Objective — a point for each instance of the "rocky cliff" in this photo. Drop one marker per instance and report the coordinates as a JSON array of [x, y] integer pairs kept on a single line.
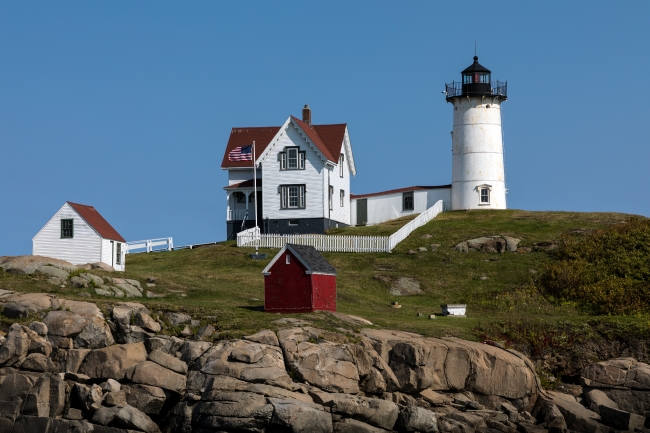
[[77, 370]]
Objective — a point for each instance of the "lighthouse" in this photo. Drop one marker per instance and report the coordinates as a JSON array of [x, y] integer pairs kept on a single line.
[[478, 175]]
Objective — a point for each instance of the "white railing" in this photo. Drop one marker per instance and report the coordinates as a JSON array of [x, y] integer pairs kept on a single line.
[[342, 244], [239, 214], [149, 244], [421, 220]]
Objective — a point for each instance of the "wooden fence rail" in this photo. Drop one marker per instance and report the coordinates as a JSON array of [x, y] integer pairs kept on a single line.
[[342, 244]]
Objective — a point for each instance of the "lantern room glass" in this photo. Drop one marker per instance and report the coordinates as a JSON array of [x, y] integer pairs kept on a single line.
[[476, 77]]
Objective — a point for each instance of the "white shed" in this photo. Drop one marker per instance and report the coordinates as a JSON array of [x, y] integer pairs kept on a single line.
[[78, 234]]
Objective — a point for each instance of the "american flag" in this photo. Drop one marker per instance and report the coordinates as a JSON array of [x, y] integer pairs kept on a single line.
[[241, 153]]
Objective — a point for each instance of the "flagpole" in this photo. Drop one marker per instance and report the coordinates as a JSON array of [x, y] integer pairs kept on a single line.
[[255, 193]]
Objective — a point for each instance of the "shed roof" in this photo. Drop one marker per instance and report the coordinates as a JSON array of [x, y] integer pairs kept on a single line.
[[395, 191], [308, 256], [96, 221]]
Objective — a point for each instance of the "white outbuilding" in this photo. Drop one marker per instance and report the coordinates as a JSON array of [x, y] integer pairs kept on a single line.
[[78, 234]]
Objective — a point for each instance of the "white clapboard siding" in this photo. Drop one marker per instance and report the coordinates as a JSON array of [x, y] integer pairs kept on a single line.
[[240, 175], [386, 207], [84, 247], [311, 177], [340, 213], [343, 244], [109, 254]]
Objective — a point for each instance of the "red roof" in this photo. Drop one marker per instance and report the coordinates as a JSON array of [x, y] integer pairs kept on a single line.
[[395, 191], [245, 184], [327, 138], [97, 222]]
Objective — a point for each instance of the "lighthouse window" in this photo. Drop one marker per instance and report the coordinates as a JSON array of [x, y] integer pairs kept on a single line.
[[485, 195]]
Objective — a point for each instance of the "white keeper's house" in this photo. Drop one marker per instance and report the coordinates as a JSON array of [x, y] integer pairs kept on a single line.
[[303, 177], [478, 174], [78, 234]]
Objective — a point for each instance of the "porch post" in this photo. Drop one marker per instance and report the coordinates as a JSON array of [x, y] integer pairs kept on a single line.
[[248, 193], [228, 216]]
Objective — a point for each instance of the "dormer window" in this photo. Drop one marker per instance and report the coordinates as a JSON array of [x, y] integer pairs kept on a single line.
[[292, 159]]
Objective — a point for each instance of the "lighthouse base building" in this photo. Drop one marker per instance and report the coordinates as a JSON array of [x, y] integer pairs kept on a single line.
[[478, 173]]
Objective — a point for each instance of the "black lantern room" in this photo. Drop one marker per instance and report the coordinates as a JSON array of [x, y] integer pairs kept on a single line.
[[476, 82]]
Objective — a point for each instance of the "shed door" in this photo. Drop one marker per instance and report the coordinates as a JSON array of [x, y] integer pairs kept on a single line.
[[362, 211]]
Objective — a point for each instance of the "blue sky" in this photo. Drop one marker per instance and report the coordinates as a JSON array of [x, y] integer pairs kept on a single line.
[[128, 106]]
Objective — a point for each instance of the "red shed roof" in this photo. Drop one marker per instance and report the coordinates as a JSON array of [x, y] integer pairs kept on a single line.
[[327, 138], [308, 256], [96, 221]]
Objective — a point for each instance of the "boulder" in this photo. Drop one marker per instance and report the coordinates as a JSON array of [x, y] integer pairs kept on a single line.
[[205, 332], [150, 373], [627, 372], [148, 399], [19, 305], [576, 416], [74, 358], [417, 419], [131, 418], [79, 282], [115, 398], [620, 419], [39, 327], [176, 319], [300, 417], [596, 398], [405, 286], [51, 271], [111, 385], [97, 281], [16, 345], [64, 323], [37, 362], [191, 350], [112, 362], [104, 291], [95, 333], [234, 411], [265, 336], [380, 413], [144, 320], [129, 290], [124, 312], [349, 425], [168, 361], [327, 365], [269, 368], [103, 266], [105, 415], [37, 402]]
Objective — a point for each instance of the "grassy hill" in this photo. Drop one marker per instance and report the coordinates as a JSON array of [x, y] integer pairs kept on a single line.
[[224, 286]]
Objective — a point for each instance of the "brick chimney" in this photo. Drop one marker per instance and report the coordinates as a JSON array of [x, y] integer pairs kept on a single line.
[[306, 115]]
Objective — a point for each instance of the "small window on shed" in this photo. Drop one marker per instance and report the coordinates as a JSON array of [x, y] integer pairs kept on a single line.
[[67, 228], [288, 256], [118, 254], [407, 200]]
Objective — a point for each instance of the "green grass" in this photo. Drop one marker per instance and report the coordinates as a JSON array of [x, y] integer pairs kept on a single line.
[[222, 281]]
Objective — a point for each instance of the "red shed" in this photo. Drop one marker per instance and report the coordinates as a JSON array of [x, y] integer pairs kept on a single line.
[[299, 280]]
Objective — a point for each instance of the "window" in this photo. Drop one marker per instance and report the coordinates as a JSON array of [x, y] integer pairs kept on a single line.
[[240, 197], [485, 195], [292, 159], [118, 254], [341, 160], [292, 196], [342, 197], [288, 256], [407, 201], [331, 197], [294, 222], [67, 228]]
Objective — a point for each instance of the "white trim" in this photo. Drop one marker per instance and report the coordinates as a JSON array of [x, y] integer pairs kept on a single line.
[[311, 144], [347, 145]]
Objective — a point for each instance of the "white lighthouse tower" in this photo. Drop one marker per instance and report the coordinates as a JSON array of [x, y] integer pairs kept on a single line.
[[478, 176]]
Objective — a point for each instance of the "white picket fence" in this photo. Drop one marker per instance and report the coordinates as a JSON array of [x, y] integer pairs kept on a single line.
[[342, 244], [149, 244]]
